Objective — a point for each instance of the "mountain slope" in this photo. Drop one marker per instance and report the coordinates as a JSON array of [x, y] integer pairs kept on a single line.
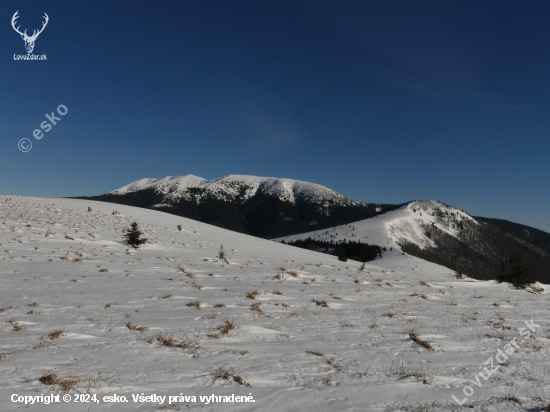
[[441, 234], [529, 234], [261, 206], [66, 270]]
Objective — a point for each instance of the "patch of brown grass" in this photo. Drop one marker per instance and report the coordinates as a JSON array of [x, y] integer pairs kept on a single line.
[[227, 326], [415, 338], [56, 334], [196, 304], [314, 353], [49, 378], [322, 303], [227, 374], [16, 326], [252, 295], [131, 326]]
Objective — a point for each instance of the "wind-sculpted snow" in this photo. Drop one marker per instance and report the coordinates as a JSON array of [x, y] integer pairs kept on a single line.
[[82, 311]]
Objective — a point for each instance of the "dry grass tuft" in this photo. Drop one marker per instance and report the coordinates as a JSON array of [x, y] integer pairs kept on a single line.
[[16, 326], [293, 274], [165, 340], [227, 326], [513, 399], [40, 345], [68, 383], [219, 305], [415, 338], [256, 307], [227, 374], [196, 304], [421, 295], [65, 384], [5, 308], [252, 295], [49, 378], [322, 303], [314, 353], [131, 326], [56, 334], [167, 296]]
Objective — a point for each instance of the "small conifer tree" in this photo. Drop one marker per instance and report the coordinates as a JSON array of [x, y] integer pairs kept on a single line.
[[133, 236], [221, 253], [342, 255], [515, 274]]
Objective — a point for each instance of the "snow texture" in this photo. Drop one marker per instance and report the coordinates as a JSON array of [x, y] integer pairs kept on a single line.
[[66, 269]]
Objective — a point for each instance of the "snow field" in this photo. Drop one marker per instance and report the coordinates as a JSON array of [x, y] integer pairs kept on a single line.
[[309, 333]]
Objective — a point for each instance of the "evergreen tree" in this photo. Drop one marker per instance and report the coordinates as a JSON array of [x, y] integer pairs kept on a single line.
[[515, 274], [133, 236], [342, 255]]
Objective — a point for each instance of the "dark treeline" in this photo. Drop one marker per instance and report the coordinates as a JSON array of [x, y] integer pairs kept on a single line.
[[362, 252]]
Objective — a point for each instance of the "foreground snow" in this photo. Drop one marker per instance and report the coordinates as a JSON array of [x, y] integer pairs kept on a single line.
[[66, 269]]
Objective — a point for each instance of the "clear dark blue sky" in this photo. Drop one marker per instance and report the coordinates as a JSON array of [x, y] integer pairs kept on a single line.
[[383, 101]]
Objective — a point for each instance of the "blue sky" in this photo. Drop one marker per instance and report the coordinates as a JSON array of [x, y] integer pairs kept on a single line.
[[383, 101]]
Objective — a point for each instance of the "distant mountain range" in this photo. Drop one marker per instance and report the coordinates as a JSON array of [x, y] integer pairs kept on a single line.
[[260, 206], [279, 208]]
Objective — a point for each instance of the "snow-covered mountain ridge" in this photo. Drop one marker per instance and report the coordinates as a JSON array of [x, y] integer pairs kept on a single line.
[[440, 233], [261, 206], [232, 187]]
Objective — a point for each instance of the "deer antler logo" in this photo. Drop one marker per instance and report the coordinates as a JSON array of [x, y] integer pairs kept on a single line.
[[29, 40]]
